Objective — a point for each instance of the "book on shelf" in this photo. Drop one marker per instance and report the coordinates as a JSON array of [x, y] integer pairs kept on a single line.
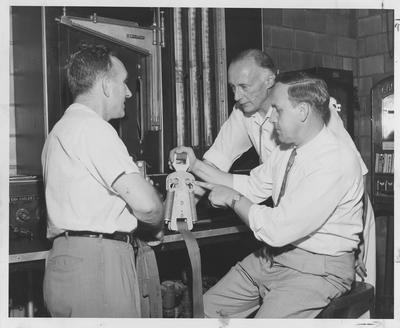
[[384, 163], [390, 161], [392, 164], [388, 145]]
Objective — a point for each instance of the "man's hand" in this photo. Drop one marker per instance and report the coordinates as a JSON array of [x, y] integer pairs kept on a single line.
[[158, 239], [220, 196], [191, 157], [199, 191]]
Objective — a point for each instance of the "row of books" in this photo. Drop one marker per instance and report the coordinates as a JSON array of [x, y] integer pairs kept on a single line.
[[384, 163]]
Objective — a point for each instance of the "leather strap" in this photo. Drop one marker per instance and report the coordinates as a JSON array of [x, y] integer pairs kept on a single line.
[[195, 261], [149, 281]]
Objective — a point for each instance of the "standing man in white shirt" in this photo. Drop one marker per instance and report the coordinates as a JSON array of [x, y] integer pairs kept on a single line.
[[313, 230], [95, 196]]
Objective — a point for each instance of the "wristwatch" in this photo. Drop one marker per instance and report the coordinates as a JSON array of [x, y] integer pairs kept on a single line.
[[235, 199]]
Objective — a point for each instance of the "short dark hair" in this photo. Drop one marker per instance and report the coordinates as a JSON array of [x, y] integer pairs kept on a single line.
[[306, 88], [86, 65], [261, 58]]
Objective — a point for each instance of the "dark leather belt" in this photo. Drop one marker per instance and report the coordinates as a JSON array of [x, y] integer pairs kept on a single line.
[[120, 236]]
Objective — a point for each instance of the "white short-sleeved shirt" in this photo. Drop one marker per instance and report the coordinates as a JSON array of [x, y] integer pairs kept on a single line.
[[321, 210], [239, 133], [82, 157]]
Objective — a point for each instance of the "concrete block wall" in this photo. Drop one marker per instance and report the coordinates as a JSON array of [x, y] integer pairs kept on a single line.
[[303, 38], [375, 62], [359, 40]]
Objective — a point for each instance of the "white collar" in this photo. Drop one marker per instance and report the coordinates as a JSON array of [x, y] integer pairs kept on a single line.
[[259, 119], [82, 108]]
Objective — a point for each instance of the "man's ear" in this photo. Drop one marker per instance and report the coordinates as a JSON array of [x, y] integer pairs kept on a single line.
[[105, 84], [269, 79], [304, 110]]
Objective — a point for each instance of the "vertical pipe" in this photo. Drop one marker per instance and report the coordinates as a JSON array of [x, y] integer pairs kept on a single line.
[[44, 63], [206, 76], [12, 123], [222, 92], [179, 78], [160, 28], [194, 103]]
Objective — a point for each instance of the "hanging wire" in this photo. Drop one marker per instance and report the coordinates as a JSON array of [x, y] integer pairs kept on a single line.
[[389, 44], [386, 17]]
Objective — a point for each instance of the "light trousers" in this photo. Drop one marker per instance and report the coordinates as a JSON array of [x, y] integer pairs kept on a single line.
[[91, 277], [298, 285]]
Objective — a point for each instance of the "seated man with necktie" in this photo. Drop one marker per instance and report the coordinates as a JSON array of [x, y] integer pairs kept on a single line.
[[311, 233]]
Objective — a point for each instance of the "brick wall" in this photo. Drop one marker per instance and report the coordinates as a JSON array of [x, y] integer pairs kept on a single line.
[[303, 38], [346, 39], [374, 62]]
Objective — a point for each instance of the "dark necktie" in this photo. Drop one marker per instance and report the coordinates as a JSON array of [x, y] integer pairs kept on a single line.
[[260, 140], [288, 167], [269, 252]]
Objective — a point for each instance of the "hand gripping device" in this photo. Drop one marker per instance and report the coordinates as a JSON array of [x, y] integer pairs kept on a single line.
[[180, 206]]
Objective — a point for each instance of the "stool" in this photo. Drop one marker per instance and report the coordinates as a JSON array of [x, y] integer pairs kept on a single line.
[[353, 304]]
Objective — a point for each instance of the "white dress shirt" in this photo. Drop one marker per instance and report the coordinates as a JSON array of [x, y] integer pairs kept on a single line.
[[321, 210], [336, 126], [240, 132], [82, 157], [237, 135]]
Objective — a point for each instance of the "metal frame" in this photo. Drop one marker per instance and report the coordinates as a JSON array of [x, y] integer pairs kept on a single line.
[[144, 40]]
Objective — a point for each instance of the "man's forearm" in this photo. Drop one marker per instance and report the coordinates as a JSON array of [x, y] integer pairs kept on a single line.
[[212, 174]]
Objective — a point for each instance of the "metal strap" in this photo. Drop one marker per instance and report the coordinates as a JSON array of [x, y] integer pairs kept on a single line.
[[149, 281]]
